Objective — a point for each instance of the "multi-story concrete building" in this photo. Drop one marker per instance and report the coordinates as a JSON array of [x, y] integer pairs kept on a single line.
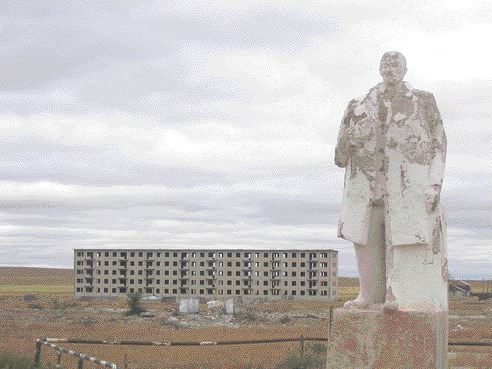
[[207, 273]]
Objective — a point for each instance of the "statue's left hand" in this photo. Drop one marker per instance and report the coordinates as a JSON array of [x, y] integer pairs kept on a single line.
[[432, 195]]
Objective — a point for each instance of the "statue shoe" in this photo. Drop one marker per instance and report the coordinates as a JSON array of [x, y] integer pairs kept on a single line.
[[358, 303], [391, 305]]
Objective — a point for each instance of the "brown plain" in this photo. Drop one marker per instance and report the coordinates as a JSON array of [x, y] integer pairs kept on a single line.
[[60, 314]]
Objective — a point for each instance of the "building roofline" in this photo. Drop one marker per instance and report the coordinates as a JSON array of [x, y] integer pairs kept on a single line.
[[208, 249]]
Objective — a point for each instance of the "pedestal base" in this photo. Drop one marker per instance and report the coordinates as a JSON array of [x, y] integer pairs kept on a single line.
[[381, 340]]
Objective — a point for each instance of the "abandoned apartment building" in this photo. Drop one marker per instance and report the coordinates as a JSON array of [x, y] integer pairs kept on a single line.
[[271, 274]]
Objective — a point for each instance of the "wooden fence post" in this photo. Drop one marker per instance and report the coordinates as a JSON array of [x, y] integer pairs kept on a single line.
[[81, 363], [58, 360], [302, 345], [330, 322], [37, 355]]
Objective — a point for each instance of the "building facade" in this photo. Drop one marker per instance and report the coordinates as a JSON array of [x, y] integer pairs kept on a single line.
[[211, 274]]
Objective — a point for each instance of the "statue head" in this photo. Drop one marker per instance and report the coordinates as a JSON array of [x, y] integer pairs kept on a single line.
[[392, 68]]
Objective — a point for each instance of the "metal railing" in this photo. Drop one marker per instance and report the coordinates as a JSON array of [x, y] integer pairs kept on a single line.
[[50, 342], [53, 344]]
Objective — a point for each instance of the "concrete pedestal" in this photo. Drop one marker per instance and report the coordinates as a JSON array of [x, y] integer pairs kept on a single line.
[[381, 340]]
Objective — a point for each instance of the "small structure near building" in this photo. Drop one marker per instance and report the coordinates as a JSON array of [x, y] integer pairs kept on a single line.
[[458, 288]]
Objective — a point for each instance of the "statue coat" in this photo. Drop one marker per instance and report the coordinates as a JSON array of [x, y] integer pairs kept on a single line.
[[414, 155]]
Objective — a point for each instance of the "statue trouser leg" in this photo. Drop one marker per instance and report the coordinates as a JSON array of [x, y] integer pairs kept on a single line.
[[417, 274], [371, 263]]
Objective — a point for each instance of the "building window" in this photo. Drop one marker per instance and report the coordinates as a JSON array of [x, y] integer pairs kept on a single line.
[[265, 292], [229, 254], [221, 254]]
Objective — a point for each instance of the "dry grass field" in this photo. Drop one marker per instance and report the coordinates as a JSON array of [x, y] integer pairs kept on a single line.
[[36, 303]]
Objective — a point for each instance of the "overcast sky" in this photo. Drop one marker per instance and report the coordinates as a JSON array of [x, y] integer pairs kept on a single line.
[[213, 124]]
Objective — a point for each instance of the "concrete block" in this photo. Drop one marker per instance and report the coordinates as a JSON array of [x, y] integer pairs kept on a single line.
[[215, 306], [189, 306], [229, 306], [377, 339]]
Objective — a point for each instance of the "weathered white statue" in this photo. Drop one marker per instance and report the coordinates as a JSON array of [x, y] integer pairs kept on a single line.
[[393, 146]]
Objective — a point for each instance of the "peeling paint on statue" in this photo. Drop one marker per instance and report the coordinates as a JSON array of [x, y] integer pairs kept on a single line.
[[393, 146]]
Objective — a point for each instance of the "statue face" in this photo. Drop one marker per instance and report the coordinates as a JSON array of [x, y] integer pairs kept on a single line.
[[392, 68]]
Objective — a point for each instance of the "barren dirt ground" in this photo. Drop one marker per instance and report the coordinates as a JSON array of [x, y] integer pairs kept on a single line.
[[36, 303]]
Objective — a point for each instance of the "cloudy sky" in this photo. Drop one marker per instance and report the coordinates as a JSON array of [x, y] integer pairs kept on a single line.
[[175, 124]]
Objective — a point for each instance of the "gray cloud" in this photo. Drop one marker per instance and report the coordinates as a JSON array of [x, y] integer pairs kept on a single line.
[[213, 124]]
